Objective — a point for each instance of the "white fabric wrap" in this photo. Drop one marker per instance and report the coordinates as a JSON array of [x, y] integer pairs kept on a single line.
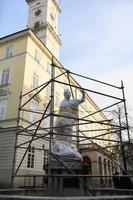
[[64, 127], [62, 148]]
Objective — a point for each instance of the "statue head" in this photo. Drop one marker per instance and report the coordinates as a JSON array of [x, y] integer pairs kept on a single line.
[[67, 93]]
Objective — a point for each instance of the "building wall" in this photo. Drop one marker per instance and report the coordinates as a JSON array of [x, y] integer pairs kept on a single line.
[[101, 165], [7, 143], [32, 57], [16, 64], [53, 43]]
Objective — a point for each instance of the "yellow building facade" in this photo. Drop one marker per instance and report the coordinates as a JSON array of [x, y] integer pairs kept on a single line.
[[25, 64]]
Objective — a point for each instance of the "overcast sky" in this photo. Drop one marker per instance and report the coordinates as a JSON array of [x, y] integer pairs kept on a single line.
[[97, 37]]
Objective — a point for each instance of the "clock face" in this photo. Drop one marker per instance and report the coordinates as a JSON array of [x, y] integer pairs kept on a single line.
[[38, 12]]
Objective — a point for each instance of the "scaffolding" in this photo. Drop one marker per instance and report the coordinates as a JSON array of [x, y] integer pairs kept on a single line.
[[80, 137]]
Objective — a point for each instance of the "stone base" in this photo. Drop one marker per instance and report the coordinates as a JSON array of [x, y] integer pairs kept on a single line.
[[64, 183], [8, 197], [62, 163]]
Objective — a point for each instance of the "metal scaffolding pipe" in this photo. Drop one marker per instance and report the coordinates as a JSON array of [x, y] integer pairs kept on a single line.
[[79, 136]]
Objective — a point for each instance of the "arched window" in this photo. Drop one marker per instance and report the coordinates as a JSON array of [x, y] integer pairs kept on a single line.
[[105, 167], [112, 166], [105, 170], [109, 172], [100, 170], [100, 166], [87, 160]]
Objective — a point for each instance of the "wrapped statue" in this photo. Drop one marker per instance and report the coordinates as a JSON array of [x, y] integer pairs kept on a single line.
[[68, 115]]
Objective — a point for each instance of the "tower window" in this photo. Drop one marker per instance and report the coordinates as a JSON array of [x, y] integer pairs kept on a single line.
[[31, 157], [38, 12], [36, 24], [9, 51], [5, 77]]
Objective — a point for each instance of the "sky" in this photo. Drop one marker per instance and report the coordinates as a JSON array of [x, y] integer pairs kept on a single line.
[[97, 37]]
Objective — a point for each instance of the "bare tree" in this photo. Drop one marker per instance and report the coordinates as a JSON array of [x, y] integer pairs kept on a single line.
[[119, 119]]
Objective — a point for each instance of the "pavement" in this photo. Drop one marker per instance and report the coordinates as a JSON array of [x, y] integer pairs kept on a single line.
[[12, 197]]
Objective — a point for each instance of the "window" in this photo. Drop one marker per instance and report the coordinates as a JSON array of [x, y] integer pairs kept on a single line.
[[46, 122], [5, 77], [105, 170], [37, 56], [65, 86], [35, 81], [45, 162], [3, 105], [48, 90], [38, 12], [33, 108], [100, 170], [31, 157], [57, 99], [48, 69], [9, 51], [37, 25]]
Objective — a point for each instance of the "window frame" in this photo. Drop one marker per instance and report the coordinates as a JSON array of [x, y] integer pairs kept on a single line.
[[5, 82], [46, 122], [33, 116], [48, 68], [48, 90], [35, 81], [37, 56], [57, 99], [4, 97], [45, 158], [31, 158], [9, 53]]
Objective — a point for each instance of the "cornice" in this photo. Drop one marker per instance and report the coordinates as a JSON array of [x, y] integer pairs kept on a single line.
[[42, 46], [14, 36], [25, 33], [51, 30], [31, 33], [4, 92]]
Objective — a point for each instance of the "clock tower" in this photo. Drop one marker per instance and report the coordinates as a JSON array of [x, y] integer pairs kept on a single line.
[[43, 20]]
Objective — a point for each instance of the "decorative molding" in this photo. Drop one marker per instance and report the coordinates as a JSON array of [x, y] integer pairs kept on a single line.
[[13, 57], [55, 2], [14, 36], [4, 92], [51, 30]]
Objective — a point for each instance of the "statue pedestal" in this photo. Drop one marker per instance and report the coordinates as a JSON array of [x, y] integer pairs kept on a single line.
[[64, 183]]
